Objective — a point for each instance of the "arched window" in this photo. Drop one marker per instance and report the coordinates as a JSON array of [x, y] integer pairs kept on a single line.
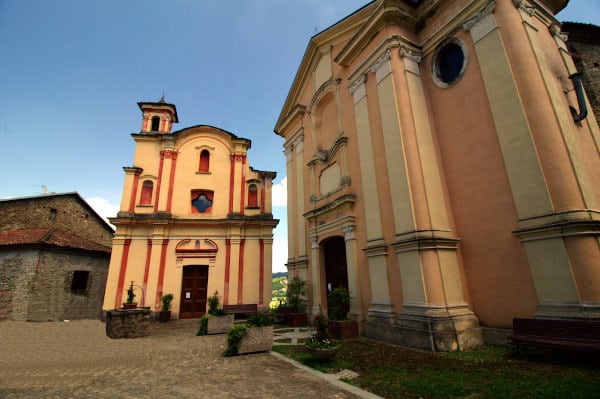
[[146, 197], [204, 161], [155, 123], [253, 196]]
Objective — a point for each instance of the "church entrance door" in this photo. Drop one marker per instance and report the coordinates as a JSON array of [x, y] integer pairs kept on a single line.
[[193, 292], [336, 270]]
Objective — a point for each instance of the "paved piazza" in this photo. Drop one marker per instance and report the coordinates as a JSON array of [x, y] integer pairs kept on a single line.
[[76, 360]]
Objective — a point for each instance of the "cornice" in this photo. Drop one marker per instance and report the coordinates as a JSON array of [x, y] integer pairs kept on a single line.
[[388, 13], [329, 35]]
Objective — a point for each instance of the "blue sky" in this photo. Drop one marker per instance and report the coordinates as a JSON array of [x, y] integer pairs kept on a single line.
[[72, 72]]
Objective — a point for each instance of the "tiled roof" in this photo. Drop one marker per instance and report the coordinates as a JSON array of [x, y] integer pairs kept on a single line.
[[52, 237]]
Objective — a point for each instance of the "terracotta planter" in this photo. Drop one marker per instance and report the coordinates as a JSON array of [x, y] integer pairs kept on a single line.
[[322, 353], [129, 305], [219, 324], [257, 339], [343, 329], [164, 316]]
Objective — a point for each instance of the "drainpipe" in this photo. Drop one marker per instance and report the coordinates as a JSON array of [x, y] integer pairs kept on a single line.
[[576, 78]]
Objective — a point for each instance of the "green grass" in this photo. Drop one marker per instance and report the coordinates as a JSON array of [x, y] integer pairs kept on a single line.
[[487, 372]]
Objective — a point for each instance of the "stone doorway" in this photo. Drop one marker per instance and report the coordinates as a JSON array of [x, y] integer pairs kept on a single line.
[[193, 291]]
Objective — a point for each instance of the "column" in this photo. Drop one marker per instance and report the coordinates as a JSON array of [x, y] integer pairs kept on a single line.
[[376, 250], [353, 273]]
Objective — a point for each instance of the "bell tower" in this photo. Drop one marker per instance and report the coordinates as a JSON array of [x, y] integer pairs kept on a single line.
[[158, 117]]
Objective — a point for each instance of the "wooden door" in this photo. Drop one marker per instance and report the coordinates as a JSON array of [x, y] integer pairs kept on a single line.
[[193, 292], [336, 269]]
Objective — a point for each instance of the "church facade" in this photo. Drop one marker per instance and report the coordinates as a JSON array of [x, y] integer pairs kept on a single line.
[[442, 167], [195, 218]]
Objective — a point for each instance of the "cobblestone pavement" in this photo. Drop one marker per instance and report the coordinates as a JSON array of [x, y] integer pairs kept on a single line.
[[76, 360]]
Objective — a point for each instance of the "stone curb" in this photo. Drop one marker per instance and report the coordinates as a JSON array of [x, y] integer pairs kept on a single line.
[[331, 378]]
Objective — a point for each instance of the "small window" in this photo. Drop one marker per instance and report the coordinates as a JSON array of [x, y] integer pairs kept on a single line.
[[449, 63], [52, 214], [202, 201], [204, 161], [155, 123], [146, 197], [252, 196], [79, 282]]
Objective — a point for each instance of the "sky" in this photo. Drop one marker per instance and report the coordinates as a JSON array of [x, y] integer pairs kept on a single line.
[[72, 72]]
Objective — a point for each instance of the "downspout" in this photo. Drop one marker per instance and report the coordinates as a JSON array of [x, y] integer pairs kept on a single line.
[[576, 78]]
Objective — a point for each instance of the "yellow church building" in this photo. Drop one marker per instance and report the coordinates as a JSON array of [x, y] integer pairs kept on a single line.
[[441, 166], [194, 218]]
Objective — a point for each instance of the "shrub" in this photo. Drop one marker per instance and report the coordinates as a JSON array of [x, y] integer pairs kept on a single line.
[[213, 302], [260, 319], [339, 303], [166, 302], [203, 328], [295, 291], [234, 337]]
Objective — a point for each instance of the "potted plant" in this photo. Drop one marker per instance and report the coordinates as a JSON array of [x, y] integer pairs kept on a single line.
[[321, 345], [165, 308], [295, 292], [216, 321], [130, 304], [254, 335], [338, 303]]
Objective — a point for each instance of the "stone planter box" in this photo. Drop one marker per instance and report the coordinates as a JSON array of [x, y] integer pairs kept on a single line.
[[127, 323], [219, 324], [257, 339]]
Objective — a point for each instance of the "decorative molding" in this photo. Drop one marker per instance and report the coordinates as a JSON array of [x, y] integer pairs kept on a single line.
[[556, 32], [348, 232], [487, 10], [411, 59], [523, 5], [357, 88], [314, 242], [482, 23], [381, 66], [324, 156]]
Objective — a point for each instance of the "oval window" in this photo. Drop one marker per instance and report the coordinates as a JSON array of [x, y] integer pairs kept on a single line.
[[449, 63]]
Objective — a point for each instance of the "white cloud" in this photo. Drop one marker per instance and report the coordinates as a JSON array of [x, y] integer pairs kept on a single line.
[[103, 207], [279, 193]]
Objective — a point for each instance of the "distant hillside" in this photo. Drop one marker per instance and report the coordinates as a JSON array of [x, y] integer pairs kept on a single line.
[[279, 288]]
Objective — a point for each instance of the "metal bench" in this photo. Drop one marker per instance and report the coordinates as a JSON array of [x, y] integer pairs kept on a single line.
[[241, 310], [579, 335]]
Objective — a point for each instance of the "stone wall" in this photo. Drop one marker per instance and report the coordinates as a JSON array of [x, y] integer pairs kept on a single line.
[[70, 215], [584, 45], [36, 285]]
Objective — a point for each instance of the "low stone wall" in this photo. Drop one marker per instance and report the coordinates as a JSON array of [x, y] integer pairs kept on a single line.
[[127, 323]]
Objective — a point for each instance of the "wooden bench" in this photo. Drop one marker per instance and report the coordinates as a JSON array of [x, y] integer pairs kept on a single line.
[[241, 310], [558, 334]]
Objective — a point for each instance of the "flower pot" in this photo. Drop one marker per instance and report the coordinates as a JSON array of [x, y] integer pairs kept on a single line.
[[343, 329], [164, 316], [129, 305], [322, 353], [219, 324], [257, 339]]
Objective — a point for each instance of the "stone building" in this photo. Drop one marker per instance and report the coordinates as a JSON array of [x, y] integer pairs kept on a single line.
[[584, 45], [195, 218], [54, 254], [439, 169]]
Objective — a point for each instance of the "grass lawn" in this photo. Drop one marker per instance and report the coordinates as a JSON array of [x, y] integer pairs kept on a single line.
[[487, 372]]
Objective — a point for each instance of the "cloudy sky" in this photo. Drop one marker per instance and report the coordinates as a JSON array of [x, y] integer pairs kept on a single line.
[[72, 72]]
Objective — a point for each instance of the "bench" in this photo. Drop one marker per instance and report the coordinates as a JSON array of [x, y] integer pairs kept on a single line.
[[557, 334], [241, 310]]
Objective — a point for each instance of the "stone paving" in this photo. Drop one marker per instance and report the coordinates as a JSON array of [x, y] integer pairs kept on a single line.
[[76, 360]]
